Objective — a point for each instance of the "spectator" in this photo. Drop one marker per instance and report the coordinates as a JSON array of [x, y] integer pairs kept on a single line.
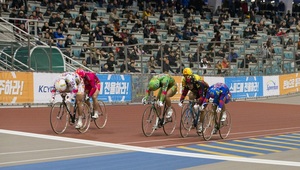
[[104, 68], [166, 66], [111, 63], [58, 33], [69, 41], [60, 44], [72, 24], [67, 14], [232, 57], [94, 14], [83, 8], [204, 64], [152, 70], [219, 67], [132, 68]]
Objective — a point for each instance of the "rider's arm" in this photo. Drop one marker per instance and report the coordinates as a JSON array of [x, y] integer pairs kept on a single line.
[[184, 91]]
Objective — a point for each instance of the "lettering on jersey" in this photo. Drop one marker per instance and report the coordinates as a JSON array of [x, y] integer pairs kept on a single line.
[[11, 87]]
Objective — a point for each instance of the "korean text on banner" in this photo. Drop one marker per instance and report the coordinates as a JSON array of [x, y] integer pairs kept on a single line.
[[245, 87], [16, 87], [289, 83], [115, 88]]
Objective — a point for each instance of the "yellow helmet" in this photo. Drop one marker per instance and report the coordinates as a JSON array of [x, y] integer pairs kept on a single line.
[[187, 72]]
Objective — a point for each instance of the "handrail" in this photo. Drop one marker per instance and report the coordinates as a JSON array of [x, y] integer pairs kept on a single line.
[[19, 62], [36, 39]]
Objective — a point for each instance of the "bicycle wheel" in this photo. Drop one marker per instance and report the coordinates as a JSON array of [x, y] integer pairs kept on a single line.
[[225, 126], [86, 118], [169, 124], [149, 123], [59, 118], [100, 122], [186, 122], [208, 125]]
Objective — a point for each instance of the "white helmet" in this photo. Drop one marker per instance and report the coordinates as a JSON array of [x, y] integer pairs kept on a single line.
[[60, 85]]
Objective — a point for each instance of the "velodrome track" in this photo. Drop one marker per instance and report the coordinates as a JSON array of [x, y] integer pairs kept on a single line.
[[264, 135]]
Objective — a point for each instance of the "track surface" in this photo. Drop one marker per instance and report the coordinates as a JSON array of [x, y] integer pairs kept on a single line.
[[249, 120]]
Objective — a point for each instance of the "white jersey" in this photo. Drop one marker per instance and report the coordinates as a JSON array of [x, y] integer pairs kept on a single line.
[[75, 84]]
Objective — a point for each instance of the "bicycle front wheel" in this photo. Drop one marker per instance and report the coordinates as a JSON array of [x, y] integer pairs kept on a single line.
[[169, 124], [225, 126], [208, 125], [149, 121], [186, 122], [59, 118], [100, 122], [86, 118]]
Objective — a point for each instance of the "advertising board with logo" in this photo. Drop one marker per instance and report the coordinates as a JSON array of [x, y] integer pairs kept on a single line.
[[289, 83], [245, 87], [43, 84], [271, 85], [115, 88], [16, 87]]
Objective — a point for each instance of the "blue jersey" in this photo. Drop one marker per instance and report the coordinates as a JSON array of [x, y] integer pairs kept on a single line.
[[220, 94]]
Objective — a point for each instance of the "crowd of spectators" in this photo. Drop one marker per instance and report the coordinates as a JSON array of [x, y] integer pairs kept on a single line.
[[109, 30]]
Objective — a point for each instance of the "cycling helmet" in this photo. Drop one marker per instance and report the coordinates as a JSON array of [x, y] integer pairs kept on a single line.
[[80, 72], [187, 72], [60, 85], [154, 84], [190, 79]]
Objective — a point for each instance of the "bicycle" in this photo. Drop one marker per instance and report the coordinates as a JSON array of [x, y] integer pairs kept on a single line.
[[100, 122], [190, 119], [212, 123], [152, 119], [63, 113]]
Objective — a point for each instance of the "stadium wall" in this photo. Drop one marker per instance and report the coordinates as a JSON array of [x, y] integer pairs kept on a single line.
[[35, 87]]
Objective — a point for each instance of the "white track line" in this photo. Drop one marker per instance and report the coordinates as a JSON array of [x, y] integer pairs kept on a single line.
[[151, 150]]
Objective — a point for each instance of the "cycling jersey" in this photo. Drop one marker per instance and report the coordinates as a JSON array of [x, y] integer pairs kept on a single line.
[[220, 94], [166, 82], [91, 82]]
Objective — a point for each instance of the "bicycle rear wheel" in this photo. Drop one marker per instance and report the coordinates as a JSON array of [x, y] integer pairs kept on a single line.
[[169, 124], [100, 122], [59, 118], [208, 125], [186, 122], [86, 118], [149, 121], [225, 126]]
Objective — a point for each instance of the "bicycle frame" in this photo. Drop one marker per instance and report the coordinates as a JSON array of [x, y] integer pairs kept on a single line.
[[191, 107], [72, 116], [158, 110]]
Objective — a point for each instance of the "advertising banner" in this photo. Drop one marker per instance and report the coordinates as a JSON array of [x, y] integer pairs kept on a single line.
[[245, 87], [16, 87], [43, 84], [115, 88], [289, 83], [271, 85]]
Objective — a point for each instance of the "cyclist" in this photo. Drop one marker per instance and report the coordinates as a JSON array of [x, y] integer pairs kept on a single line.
[[221, 95], [92, 88], [189, 72], [198, 89], [167, 88], [70, 82]]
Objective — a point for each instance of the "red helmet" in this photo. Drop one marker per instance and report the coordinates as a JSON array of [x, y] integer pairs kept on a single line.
[[80, 72], [189, 79]]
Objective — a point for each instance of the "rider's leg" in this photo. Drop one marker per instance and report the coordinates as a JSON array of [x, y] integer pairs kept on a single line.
[[79, 103], [95, 104], [170, 93]]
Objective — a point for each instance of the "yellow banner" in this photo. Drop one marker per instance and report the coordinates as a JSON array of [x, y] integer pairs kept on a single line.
[[289, 83], [16, 87]]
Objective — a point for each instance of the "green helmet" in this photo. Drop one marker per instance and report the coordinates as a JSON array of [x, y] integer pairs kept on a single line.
[[154, 84]]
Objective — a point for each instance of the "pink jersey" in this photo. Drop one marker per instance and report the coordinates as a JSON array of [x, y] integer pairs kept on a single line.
[[91, 82]]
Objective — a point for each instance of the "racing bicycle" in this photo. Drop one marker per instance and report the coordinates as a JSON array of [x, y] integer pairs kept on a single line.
[[190, 119], [212, 123], [64, 113], [100, 122], [153, 119]]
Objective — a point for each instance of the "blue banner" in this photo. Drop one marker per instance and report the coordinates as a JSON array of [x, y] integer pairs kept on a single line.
[[244, 87], [115, 88]]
